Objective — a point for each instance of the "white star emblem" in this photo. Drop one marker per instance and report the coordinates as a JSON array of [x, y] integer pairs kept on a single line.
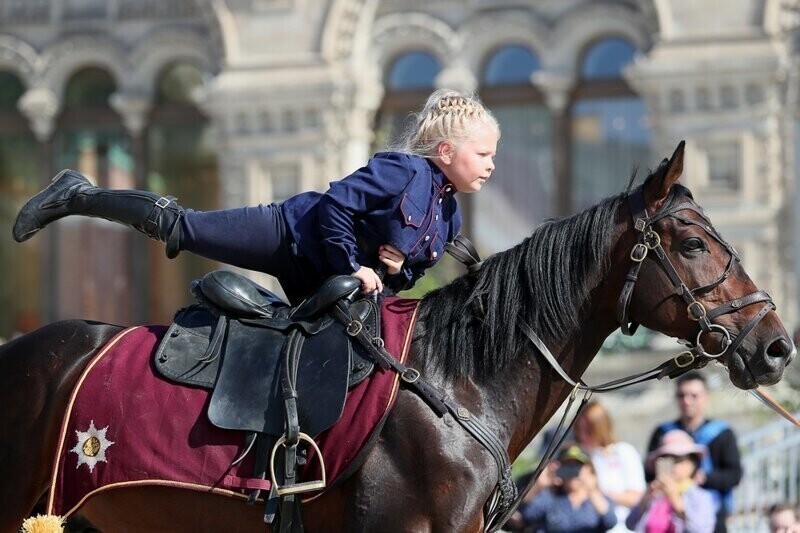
[[91, 447]]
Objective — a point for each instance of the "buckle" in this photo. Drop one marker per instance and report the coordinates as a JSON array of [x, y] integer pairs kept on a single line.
[[684, 359], [163, 202], [410, 375], [640, 224], [639, 252], [701, 313], [354, 328], [305, 486], [652, 239]]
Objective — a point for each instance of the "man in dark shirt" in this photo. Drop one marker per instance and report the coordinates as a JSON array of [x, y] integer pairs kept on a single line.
[[721, 469]]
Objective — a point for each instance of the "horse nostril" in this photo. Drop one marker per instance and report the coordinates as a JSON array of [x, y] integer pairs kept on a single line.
[[780, 348]]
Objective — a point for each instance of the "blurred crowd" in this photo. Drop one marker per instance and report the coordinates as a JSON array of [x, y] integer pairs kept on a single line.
[[682, 484]]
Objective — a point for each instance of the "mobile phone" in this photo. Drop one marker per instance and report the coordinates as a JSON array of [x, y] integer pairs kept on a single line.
[[664, 466]]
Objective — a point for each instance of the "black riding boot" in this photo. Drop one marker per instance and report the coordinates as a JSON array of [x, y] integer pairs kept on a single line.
[[70, 193]]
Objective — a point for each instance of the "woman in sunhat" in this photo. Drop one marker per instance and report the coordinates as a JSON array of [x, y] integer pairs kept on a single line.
[[673, 502]]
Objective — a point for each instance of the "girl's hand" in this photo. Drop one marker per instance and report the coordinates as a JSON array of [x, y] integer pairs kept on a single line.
[[370, 282], [392, 258]]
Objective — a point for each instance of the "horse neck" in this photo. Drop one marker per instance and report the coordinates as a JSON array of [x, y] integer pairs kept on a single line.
[[523, 398]]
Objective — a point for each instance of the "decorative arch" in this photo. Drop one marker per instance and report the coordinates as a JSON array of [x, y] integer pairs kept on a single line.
[[395, 34], [18, 57], [519, 27], [62, 58], [164, 46], [580, 28], [347, 22]]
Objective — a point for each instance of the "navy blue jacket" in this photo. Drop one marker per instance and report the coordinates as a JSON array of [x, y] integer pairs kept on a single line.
[[398, 199]]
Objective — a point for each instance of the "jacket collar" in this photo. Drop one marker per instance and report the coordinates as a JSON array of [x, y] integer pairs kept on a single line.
[[439, 179]]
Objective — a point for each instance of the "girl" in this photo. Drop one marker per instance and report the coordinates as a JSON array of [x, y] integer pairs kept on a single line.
[[397, 211], [618, 464], [673, 502]]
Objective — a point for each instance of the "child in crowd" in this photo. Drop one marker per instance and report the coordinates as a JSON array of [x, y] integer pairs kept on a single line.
[[673, 502], [567, 498], [618, 464], [396, 213]]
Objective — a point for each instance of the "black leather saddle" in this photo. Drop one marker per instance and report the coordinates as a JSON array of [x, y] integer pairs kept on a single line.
[[235, 342], [278, 373]]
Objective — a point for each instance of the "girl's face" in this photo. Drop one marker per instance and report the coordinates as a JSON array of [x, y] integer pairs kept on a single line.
[[469, 165]]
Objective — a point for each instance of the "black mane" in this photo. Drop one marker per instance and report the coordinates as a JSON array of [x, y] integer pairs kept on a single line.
[[470, 325]]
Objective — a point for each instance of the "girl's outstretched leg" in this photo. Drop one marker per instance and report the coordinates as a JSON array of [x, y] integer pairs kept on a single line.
[[70, 193]]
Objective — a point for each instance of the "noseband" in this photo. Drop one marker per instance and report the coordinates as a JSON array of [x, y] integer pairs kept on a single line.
[[648, 240]]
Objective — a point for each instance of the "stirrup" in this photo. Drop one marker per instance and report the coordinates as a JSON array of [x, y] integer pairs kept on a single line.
[[297, 488]]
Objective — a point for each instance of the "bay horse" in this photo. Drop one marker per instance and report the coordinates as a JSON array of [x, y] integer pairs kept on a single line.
[[426, 473]]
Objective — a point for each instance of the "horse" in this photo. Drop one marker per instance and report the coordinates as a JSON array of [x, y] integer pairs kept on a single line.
[[426, 473]]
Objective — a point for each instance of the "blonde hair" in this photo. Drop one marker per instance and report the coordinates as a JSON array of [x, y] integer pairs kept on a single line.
[[447, 116]]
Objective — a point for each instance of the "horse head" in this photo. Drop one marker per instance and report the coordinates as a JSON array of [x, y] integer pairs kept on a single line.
[[686, 281]]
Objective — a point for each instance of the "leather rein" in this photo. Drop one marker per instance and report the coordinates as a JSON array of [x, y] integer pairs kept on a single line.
[[696, 356]]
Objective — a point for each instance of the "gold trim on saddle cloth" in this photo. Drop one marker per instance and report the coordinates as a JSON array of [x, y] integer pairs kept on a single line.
[[65, 421]]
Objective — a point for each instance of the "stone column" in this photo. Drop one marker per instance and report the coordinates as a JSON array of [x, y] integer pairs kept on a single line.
[[41, 106], [556, 88], [134, 107]]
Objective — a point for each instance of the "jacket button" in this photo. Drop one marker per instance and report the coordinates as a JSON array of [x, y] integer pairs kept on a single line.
[[435, 254], [409, 218], [427, 238], [436, 217], [440, 200], [448, 189]]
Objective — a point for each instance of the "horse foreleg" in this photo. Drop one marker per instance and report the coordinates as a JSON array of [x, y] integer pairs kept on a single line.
[[37, 374]]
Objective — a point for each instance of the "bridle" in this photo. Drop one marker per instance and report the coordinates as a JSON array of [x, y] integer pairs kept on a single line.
[[648, 240], [696, 356]]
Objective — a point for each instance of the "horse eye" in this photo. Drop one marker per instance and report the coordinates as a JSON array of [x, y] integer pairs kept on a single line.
[[694, 245]]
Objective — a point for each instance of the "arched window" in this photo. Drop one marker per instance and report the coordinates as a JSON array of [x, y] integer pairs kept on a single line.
[[20, 177], [610, 132], [409, 79], [89, 88], [606, 59], [511, 65], [522, 196], [413, 70], [181, 161]]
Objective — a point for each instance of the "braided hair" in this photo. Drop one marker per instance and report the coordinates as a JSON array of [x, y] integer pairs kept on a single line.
[[447, 116]]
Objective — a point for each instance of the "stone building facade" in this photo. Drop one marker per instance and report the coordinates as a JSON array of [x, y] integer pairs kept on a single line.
[[271, 97]]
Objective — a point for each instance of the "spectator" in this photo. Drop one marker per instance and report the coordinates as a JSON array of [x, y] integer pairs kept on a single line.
[[721, 469], [673, 502], [618, 464], [783, 519], [566, 498]]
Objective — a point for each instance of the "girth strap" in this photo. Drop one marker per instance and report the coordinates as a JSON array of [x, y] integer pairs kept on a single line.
[[505, 491]]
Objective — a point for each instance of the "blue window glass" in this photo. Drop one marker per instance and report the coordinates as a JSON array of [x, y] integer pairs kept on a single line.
[[606, 59], [414, 70], [610, 137], [512, 65]]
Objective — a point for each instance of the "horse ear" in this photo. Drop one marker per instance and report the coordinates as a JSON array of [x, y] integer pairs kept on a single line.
[[658, 187]]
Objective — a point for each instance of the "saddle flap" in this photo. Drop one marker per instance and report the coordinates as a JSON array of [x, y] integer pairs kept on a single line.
[[180, 355], [247, 395]]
